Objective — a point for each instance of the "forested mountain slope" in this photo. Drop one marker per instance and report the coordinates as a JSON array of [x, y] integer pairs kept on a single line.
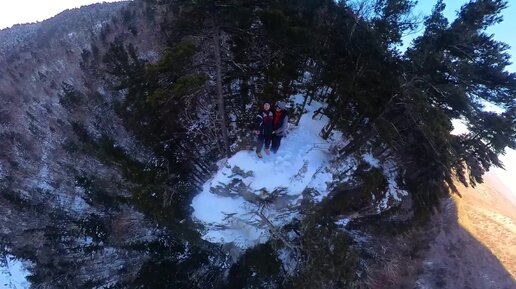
[[120, 124]]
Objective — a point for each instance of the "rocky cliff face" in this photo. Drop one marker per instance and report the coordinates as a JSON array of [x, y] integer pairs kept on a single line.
[[55, 104]]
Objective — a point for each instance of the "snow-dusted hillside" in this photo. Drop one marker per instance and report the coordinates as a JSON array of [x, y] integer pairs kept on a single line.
[[39, 187]]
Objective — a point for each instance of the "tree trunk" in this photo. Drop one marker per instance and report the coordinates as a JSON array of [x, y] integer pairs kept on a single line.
[[220, 97], [303, 107], [327, 129]]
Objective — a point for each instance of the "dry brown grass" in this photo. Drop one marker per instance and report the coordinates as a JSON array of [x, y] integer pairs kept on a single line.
[[487, 214]]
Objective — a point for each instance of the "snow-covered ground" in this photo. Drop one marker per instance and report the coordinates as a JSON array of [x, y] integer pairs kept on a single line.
[[13, 274], [230, 203], [248, 197]]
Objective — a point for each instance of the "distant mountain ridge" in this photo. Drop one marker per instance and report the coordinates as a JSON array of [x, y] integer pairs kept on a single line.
[[25, 36]]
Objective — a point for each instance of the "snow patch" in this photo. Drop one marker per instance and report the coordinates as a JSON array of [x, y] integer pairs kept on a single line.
[[389, 170], [247, 193], [394, 192], [43, 179], [79, 205], [368, 157], [13, 273], [342, 222], [71, 35]]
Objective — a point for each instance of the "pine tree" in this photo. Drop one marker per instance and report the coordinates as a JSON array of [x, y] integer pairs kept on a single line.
[[459, 66]]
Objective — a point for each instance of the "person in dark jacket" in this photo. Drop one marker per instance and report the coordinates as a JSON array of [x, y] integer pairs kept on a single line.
[[279, 125], [264, 129]]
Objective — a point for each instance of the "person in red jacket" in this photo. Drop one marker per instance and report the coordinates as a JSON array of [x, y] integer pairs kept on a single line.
[[264, 129], [279, 125]]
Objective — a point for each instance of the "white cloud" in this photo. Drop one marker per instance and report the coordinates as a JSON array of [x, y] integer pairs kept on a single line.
[[26, 11]]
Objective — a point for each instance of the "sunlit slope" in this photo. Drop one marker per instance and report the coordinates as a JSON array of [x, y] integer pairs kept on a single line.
[[489, 215]]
